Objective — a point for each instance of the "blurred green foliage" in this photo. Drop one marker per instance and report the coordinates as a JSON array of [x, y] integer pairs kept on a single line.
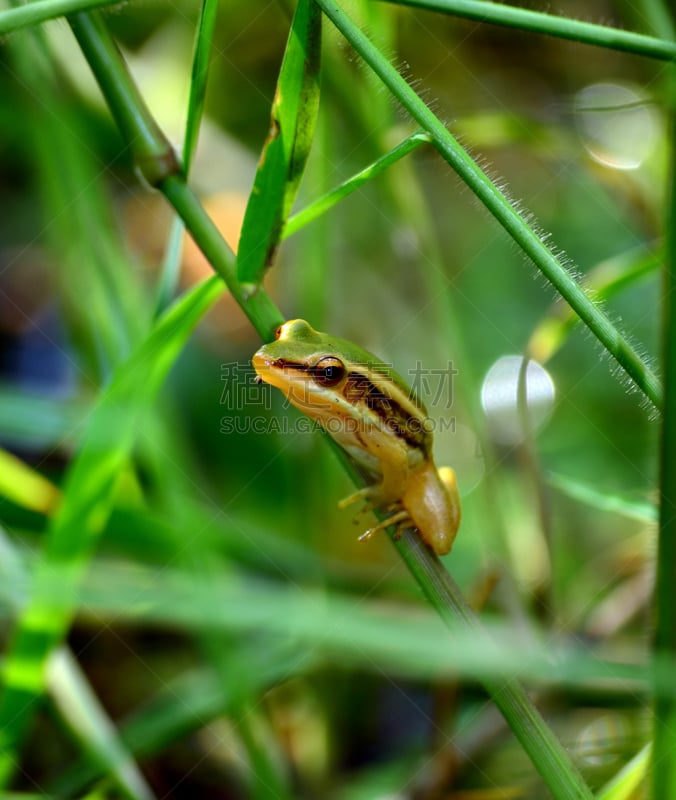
[[229, 623]]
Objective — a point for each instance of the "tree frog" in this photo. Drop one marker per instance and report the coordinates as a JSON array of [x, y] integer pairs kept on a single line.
[[375, 417]]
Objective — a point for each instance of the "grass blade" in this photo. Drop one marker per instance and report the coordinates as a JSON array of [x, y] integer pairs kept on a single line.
[[24, 486], [625, 784], [367, 634], [75, 698], [327, 201], [292, 124], [188, 704], [97, 735], [87, 501], [613, 503]]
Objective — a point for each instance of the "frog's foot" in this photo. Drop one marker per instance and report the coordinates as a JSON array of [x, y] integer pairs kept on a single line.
[[397, 519]]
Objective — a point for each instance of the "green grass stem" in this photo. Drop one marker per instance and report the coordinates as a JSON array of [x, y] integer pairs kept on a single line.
[[537, 739], [664, 751], [159, 165], [152, 153], [254, 300], [501, 208], [34, 13], [551, 25], [198, 87], [327, 201]]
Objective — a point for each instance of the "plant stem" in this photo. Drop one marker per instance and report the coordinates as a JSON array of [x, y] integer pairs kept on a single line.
[[561, 27], [664, 753], [546, 752], [13, 19], [254, 300], [501, 208], [151, 150], [158, 163], [171, 263]]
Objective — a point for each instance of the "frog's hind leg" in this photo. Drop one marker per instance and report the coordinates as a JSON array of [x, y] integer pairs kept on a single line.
[[395, 519]]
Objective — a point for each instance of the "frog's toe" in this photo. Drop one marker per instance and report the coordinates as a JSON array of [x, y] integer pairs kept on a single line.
[[400, 519], [363, 494]]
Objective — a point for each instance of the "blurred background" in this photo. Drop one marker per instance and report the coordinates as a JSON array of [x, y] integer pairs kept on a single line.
[[225, 543]]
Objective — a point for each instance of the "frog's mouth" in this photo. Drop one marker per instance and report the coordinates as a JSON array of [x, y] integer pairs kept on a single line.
[[275, 371], [279, 372], [293, 378]]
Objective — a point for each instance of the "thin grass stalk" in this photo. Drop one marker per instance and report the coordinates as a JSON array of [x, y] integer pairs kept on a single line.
[[88, 498], [551, 25], [501, 208], [664, 751], [198, 86], [537, 739], [39, 11], [159, 165]]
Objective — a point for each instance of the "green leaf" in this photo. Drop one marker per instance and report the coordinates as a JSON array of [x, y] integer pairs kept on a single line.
[[643, 512], [88, 498], [24, 486], [624, 785], [292, 124], [327, 201]]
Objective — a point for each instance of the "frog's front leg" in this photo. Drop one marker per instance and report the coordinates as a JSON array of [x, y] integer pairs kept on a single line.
[[392, 455]]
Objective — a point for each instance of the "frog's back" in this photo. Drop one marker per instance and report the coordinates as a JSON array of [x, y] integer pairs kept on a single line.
[[379, 388]]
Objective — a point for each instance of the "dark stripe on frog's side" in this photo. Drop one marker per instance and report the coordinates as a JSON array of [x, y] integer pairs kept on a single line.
[[360, 389], [284, 363]]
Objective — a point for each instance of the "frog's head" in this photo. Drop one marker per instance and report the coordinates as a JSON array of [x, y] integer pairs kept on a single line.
[[321, 374], [310, 367]]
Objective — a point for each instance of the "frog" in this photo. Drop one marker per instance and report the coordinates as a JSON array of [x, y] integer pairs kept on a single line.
[[375, 417]]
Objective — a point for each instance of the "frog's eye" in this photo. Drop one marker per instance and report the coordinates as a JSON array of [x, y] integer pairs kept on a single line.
[[329, 371], [278, 332]]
